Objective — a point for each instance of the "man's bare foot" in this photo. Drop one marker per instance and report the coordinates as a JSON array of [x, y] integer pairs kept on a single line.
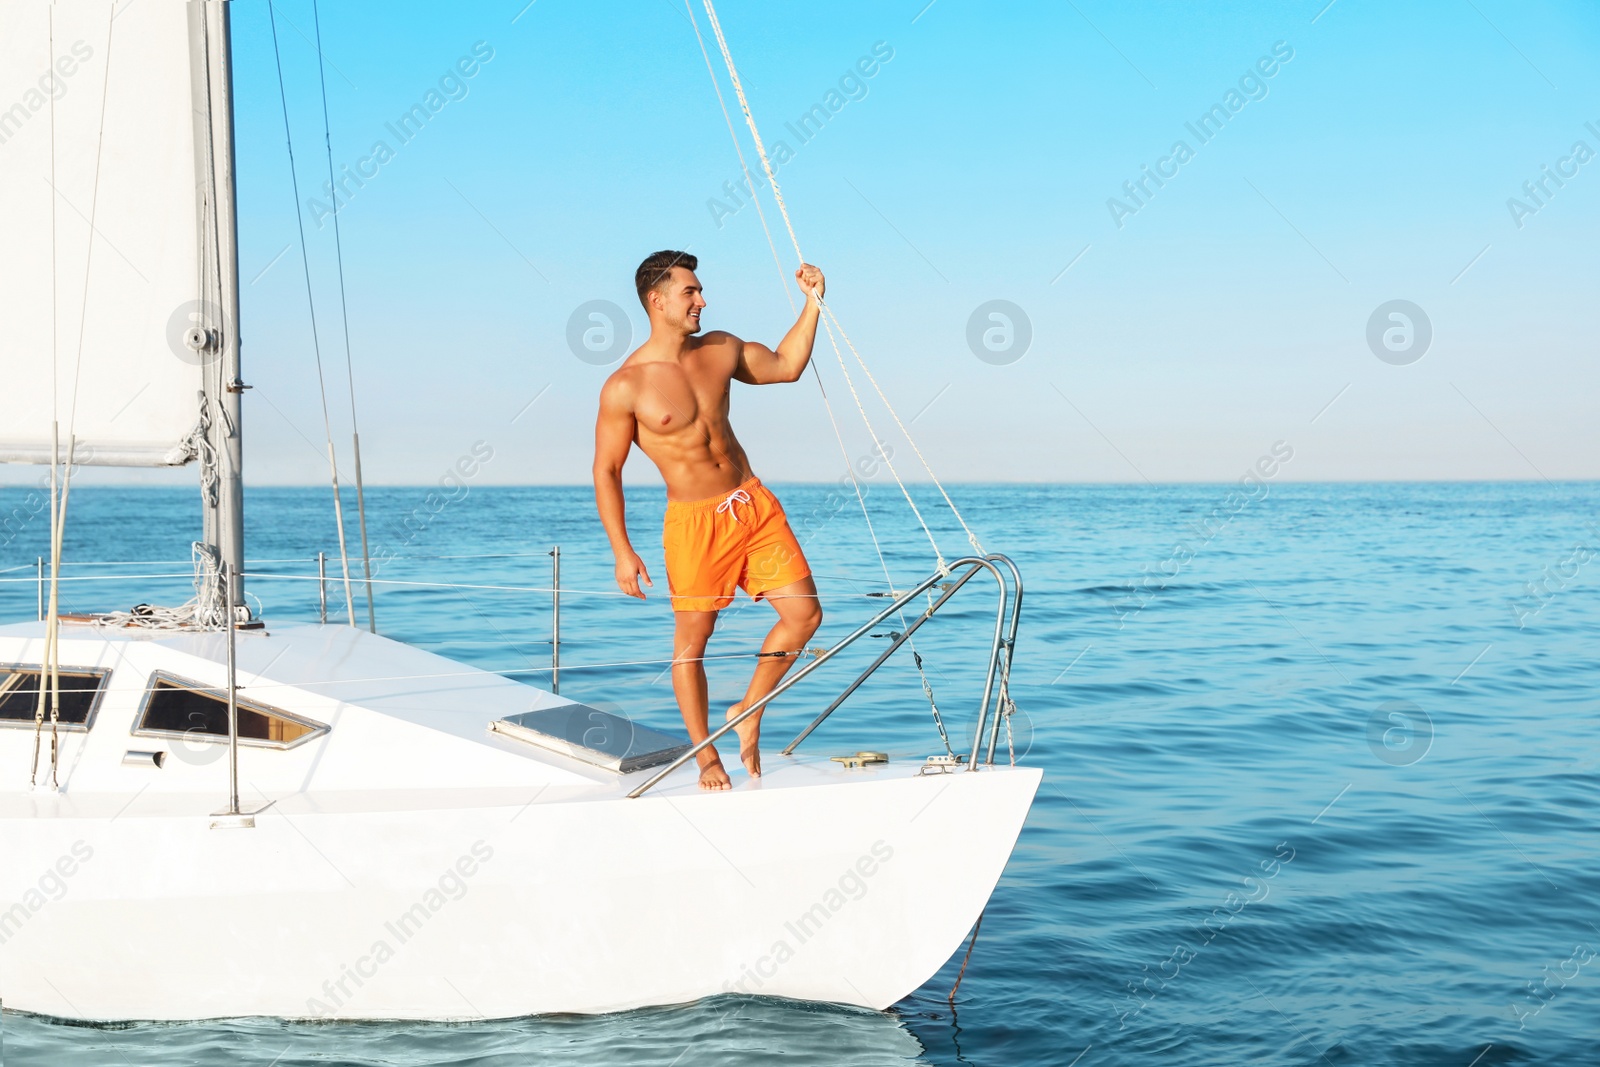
[[749, 733], [712, 775]]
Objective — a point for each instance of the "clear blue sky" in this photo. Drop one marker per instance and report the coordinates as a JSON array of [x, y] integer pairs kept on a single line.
[[1221, 317]]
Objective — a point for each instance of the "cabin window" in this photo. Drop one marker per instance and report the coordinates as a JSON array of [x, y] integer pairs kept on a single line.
[[175, 707], [80, 695]]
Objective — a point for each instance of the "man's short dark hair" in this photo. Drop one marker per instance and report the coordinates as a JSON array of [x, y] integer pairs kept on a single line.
[[657, 268]]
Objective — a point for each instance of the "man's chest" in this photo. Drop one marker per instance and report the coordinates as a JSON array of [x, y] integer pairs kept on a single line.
[[674, 398]]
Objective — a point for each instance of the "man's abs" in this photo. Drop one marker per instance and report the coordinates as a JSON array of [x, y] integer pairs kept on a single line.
[[698, 461]]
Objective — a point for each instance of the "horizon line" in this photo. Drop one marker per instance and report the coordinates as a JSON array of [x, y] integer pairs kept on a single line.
[[922, 483]]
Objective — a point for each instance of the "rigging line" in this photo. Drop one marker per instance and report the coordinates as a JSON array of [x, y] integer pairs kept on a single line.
[[884, 563], [55, 404], [50, 667], [971, 537], [55, 611], [316, 343], [94, 208], [887, 462], [344, 317], [777, 196], [52, 623], [55, 309], [58, 508], [210, 599], [749, 119], [772, 178], [787, 292], [749, 180], [861, 498]]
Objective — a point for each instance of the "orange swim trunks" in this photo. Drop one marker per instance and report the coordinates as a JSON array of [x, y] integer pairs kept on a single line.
[[741, 540]]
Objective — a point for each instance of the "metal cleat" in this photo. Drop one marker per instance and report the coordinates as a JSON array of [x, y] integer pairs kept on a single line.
[[862, 759]]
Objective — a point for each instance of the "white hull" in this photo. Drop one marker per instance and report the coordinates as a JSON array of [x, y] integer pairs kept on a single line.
[[454, 890]]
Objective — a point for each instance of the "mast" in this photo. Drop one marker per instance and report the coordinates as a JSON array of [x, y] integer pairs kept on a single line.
[[223, 485]]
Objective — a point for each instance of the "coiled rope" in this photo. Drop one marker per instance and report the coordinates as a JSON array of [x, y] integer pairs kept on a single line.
[[206, 610]]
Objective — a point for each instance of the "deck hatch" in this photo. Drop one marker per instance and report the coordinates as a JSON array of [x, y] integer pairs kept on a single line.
[[593, 736], [178, 707], [81, 689]]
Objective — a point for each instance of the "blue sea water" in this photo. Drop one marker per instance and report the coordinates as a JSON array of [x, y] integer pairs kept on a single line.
[[1321, 764]]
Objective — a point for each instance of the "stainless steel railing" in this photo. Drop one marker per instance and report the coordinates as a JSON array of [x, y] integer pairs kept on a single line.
[[999, 667]]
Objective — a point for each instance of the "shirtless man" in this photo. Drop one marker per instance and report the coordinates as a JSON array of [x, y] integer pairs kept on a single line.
[[723, 528]]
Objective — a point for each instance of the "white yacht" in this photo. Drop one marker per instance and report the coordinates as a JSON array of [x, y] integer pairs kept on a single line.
[[204, 814]]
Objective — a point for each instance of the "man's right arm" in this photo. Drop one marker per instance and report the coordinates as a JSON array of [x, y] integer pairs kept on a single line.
[[613, 437]]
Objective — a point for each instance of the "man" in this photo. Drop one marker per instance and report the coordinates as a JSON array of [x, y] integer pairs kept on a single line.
[[723, 528]]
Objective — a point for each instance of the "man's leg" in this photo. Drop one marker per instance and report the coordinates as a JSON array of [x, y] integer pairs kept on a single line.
[[691, 632], [799, 615]]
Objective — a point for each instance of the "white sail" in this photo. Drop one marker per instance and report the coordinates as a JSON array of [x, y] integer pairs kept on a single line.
[[101, 117]]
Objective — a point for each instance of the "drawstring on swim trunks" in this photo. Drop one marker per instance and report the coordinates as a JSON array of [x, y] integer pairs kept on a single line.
[[738, 496]]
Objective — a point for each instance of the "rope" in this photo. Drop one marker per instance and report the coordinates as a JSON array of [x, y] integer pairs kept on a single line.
[[777, 195], [1010, 710], [206, 610], [971, 537], [789, 295], [316, 343], [861, 499], [55, 273], [55, 405], [887, 462], [344, 317], [200, 444], [51, 668], [750, 121], [966, 959], [94, 209], [743, 166], [783, 210], [58, 508]]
